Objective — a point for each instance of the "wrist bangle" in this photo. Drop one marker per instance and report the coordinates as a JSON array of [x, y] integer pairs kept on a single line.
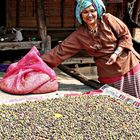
[[117, 52]]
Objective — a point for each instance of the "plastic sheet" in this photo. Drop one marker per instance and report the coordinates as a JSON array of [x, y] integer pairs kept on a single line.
[[29, 75]]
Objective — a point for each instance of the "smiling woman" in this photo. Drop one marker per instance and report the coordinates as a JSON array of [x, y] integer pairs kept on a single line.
[[107, 39]]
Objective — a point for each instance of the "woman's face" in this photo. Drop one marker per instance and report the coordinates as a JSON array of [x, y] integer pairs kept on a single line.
[[89, 15]]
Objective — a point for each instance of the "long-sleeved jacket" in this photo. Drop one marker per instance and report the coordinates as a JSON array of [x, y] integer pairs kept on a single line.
[[111, 33]]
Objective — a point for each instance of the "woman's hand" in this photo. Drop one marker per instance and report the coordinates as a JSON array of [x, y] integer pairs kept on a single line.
[[112, 59]]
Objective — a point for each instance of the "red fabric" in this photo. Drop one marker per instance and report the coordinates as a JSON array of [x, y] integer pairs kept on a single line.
[[29, 75], [94, 92]]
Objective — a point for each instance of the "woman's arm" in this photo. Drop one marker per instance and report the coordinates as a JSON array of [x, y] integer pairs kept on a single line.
[[121, 31], [123, 36], [69, 47]]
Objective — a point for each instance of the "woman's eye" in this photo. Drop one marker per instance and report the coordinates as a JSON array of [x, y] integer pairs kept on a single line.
[[85, 12], [92, 11]]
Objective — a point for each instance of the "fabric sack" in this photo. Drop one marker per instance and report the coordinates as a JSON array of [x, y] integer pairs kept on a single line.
[[29, 75]]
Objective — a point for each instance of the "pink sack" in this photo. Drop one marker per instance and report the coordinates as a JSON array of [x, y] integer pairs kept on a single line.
[[29, 75]]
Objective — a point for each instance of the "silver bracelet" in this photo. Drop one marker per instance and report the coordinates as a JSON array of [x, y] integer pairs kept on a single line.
[[117, 52]]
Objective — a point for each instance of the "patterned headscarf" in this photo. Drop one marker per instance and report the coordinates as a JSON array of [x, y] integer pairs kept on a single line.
[[82, 4]]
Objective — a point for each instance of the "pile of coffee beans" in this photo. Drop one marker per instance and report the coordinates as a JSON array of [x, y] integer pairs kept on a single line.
[[82, 117]]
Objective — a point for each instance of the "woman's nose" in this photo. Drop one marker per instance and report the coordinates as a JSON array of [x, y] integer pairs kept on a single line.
[[89, 14]]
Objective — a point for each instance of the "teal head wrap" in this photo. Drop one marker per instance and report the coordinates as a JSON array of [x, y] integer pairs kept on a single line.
[[82, 4]]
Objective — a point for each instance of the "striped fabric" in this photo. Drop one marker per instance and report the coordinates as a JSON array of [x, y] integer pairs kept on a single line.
[[129, 83]]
